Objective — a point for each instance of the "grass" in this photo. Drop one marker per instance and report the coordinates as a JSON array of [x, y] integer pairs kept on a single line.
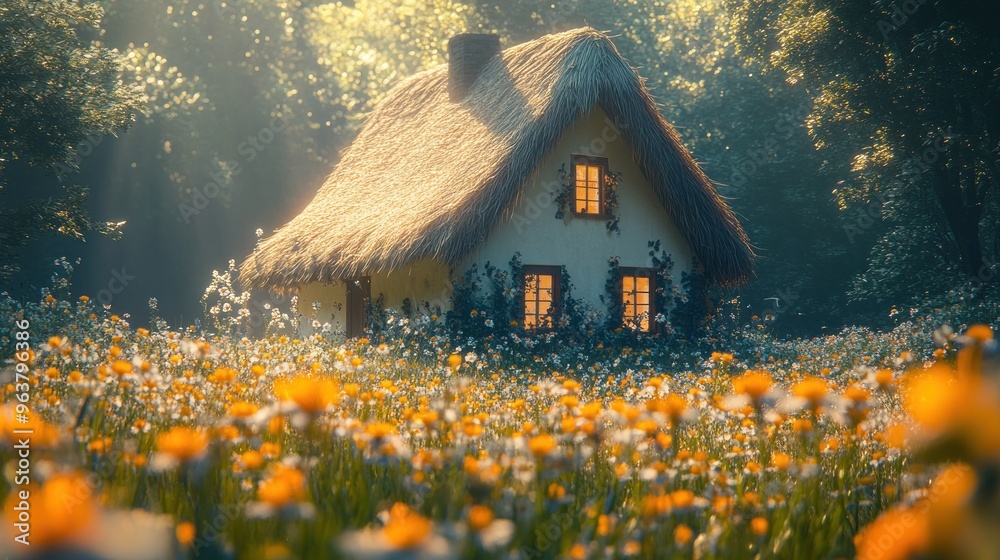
[[278, 447]]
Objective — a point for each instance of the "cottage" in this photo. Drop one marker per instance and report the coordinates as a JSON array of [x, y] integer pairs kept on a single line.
[[552, 149]]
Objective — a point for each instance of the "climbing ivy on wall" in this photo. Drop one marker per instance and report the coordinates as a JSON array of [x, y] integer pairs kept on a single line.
[[613, 289], [488, 301], [611, 181], [681, 308], [664, 266]]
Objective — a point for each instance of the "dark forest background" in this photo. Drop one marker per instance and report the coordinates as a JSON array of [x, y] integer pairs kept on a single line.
[[859, 141]]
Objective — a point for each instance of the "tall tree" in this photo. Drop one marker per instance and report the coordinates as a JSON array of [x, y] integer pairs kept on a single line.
[[906, 113], [59, 90]]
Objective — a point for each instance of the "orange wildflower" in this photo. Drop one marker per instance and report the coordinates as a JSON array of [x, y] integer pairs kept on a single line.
[[683, 535], [898, 534], [480, 517], [406, 528], [185, 533], [183, 444], [61, 509], [758, 526], [813, 390], [310, 394], [541, 446], [285, 485], [753, 384]]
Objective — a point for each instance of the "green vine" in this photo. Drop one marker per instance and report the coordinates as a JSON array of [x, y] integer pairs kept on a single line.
[[692, 306], [613, 288], [664, 266], [565, 193], [488, 303], [483, 313], [570, 311], [376, 314], [517, 289], [611, 181]]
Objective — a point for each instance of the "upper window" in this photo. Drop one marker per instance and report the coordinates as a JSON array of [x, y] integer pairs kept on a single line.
[[588, 184], [638, 298], [541, 296]]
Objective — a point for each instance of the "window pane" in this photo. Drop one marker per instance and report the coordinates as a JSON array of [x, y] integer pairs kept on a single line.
[[593, 173], [642, 297], [588, 197], [530, 287], [628, 283], [540, 291], [642, 283], [581, 173]]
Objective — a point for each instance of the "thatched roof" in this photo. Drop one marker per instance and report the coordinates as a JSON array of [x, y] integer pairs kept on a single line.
[[428, 177]]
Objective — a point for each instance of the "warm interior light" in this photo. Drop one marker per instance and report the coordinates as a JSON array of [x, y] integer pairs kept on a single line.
[[636, 303], [588, 188]]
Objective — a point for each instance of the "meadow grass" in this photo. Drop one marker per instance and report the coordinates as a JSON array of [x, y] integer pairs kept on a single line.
[[315, 447]]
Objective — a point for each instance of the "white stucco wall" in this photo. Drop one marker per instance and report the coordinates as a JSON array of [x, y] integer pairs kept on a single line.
[[582, 244], [332, 299], [423, 281]]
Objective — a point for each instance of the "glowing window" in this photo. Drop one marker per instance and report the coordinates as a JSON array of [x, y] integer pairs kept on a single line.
[[588, 183], [541, 296], [638, 298]]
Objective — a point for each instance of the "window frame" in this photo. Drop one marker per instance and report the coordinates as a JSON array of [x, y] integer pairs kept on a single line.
[[645, 272], [556, 306], [601, 162]]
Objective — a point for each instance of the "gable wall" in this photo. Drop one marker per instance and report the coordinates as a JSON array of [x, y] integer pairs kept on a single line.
[[583, 244]]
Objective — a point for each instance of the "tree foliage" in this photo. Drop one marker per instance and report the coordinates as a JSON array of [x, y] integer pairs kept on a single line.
[[906, 116], [56, 87], [58, 90], [217, 74], [371, 45]]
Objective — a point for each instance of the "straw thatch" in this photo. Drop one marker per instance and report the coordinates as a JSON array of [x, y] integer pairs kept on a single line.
[[428, 177]]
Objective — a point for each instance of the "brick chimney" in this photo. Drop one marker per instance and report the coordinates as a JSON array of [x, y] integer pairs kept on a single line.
[[468, 53]]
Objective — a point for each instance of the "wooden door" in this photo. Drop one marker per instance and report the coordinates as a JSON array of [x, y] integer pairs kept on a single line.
[[358, 295]]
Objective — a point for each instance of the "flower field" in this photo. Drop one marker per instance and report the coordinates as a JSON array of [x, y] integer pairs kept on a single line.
[[173, 443]]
